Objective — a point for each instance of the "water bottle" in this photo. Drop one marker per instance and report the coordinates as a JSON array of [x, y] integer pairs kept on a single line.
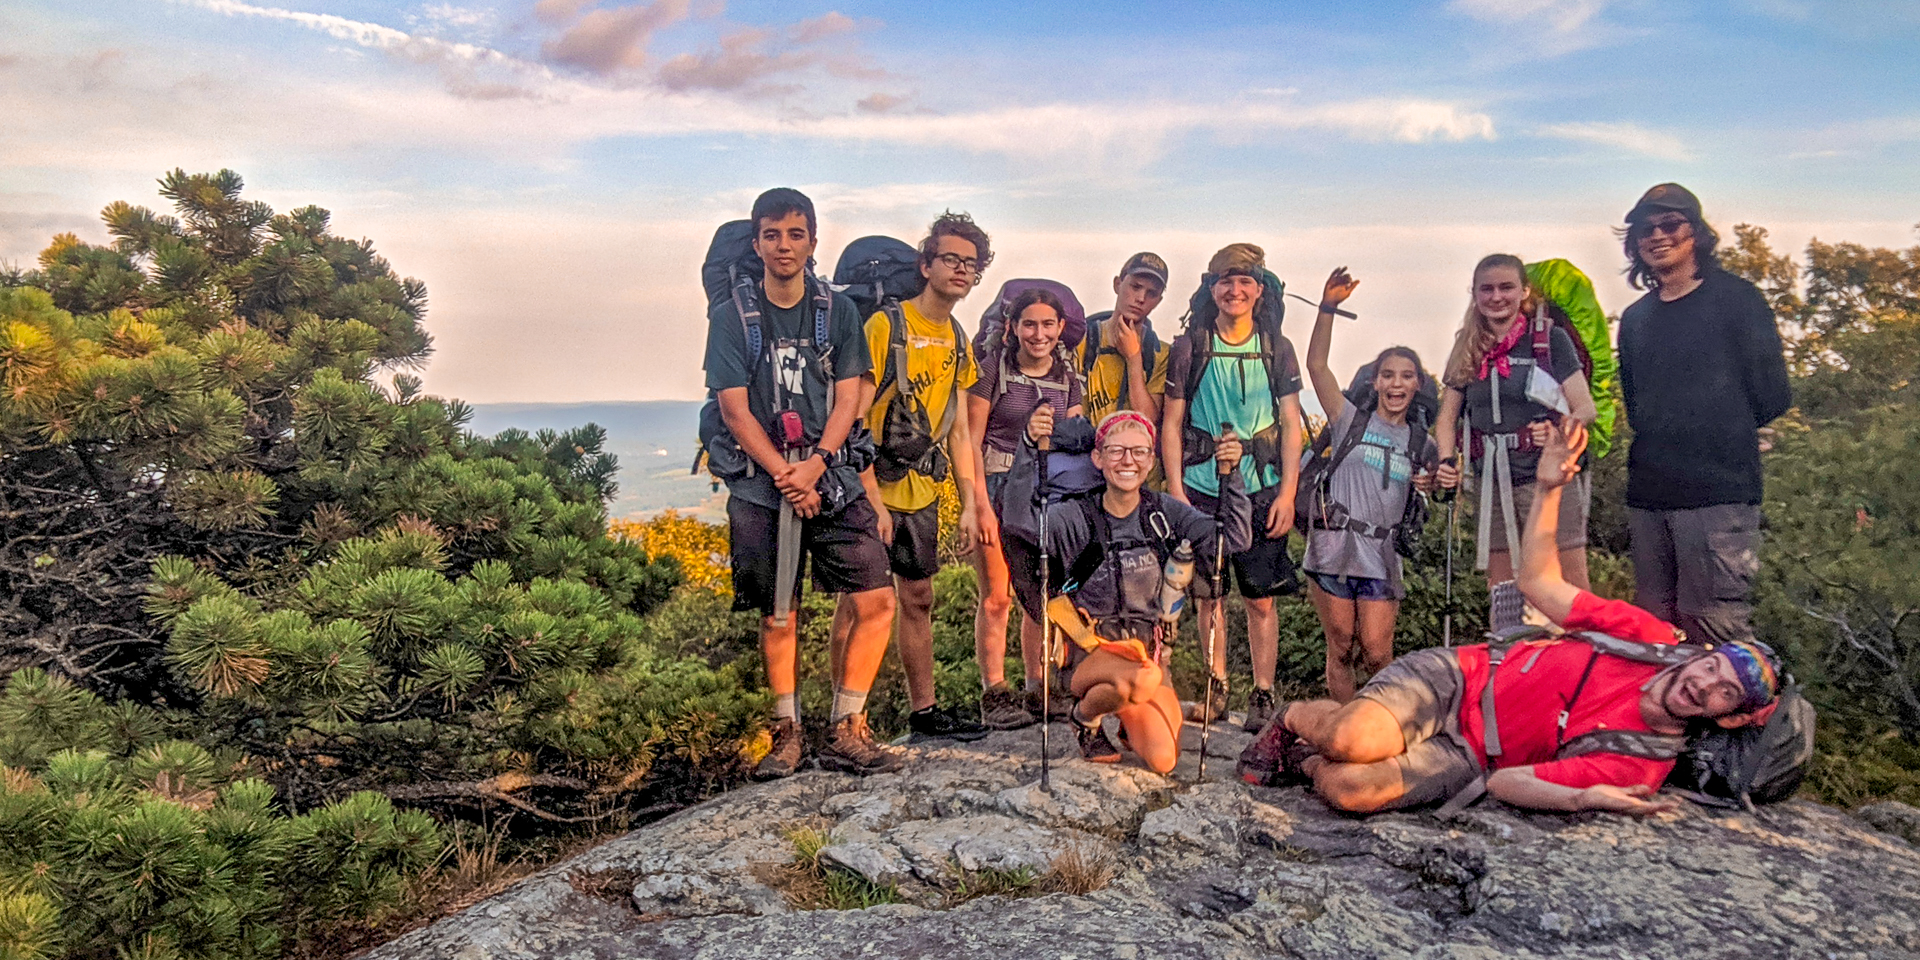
[[1174, 578]]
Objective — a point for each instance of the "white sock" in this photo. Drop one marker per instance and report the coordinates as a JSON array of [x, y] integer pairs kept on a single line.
[[786, 706], [846, 703]]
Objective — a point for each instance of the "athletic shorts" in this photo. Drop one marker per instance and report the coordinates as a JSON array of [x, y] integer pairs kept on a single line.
[[1264, 569], [1422, 690], [915, 553], [1572, 533], [848, 556], [1342, 587]]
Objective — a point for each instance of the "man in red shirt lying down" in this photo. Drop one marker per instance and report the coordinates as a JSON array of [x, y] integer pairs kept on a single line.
[[1575, 728]]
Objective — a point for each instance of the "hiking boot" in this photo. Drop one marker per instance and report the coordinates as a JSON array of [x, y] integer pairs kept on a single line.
[[1059, 702], [1192, 713], [1271, 760], [784, 758], [850, 749], [934, 723], [1259, 710], [1094, 745], [1002, 709]]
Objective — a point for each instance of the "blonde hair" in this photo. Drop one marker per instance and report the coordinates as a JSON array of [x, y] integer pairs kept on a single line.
[[1476, 335]]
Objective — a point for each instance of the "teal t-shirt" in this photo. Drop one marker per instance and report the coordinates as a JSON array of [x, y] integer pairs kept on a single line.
[[1235, 389]]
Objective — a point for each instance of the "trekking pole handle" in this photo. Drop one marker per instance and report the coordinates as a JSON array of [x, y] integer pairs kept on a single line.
[[1349, 314], [1226, 433]]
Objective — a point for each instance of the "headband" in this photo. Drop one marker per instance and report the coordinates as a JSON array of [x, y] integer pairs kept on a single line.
[[1115, 419], [1753, 664]]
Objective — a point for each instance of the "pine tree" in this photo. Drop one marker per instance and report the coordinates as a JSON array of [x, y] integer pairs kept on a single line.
[[258, 588]]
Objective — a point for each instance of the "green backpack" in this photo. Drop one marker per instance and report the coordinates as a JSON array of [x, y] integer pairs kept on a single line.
[[1575, 309]]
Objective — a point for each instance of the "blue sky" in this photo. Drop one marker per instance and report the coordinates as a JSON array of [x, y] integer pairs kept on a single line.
[[553, 168]]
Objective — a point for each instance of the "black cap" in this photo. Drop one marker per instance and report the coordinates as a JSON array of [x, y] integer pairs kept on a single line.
[[1666, 196], [1146, 263]]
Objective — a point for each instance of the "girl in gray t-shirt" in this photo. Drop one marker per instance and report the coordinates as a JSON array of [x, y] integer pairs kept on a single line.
[[1353, 569]]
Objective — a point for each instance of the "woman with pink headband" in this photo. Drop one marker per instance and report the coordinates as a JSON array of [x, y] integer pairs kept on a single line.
[[1113, 546]]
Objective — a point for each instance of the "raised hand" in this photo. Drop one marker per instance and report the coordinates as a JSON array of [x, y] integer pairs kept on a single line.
[[1340, 286], [1560, 456]]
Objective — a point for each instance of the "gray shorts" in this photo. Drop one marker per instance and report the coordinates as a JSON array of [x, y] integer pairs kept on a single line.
[[1572, 532], [1422, 690]]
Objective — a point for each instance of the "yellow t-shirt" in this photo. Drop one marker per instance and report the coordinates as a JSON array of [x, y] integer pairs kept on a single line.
[[1105, 391], [934, 360]]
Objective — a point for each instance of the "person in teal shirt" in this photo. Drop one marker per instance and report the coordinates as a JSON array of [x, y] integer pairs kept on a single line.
[[1233, 368]]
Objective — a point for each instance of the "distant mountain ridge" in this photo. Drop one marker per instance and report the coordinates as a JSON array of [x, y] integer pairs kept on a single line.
[[654, 439]]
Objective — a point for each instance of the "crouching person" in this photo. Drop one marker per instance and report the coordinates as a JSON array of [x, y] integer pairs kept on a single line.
[[1115, 544], [1585, 721]]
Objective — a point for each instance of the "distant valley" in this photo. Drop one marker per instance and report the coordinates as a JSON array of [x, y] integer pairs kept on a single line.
[[654, 439]]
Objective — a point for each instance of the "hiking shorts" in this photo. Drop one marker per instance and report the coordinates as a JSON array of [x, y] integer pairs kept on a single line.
[[848, 556], [1422, 690], [915, 552], [1343, 587], [1695, 568], [1572, 533], [1264, 569]]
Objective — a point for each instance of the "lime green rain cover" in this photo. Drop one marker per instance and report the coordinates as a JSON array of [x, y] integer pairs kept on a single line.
[[1566, 286]]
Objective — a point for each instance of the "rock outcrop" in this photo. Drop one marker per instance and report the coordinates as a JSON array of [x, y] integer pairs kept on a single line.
[[1213, 870]]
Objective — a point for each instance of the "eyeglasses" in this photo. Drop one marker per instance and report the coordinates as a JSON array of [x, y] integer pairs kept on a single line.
[[959, 263], [1126, 453], [1670, 226]]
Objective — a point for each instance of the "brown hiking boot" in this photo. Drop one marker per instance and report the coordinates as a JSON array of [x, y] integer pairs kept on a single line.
[[1193, 711], [1259, 710], [1002, 709], [1059, 702], [851, 749], [784, 758]]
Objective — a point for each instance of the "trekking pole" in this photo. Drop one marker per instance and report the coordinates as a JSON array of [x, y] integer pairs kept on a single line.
[[1046, 624], [1219, 605], [1453, 516]]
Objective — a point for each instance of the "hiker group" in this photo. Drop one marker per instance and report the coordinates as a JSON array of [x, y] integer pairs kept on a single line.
[[1106, 476]]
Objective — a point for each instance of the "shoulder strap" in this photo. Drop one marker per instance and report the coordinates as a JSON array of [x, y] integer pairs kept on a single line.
[[1270, 355], [1154, 518], [746, 303], [1661, 654], [1099, 529], [953, 395], [896, 360], [1643, 744], [1090, 346], [1200, 351]]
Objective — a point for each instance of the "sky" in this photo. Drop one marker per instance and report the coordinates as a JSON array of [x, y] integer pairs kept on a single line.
[[553, 169]]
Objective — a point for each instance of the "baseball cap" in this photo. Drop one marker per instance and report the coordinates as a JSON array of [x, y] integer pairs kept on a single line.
[[1149, 264], [1666, 196]]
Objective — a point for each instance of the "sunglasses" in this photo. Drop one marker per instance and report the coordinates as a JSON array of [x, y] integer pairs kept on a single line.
[[1671, 226]]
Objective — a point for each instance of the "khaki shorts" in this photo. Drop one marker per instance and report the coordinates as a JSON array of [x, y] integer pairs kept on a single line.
[[1422, 690], [1574, 500]]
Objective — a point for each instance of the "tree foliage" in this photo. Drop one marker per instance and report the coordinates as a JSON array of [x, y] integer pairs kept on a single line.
[[1841, 585], [253, 591]]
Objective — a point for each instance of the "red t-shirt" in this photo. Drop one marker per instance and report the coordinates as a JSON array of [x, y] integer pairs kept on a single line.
[[1538, 678]]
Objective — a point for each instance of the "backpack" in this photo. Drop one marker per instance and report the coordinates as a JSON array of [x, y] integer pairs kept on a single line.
[[1101, 546], [1574, 308], [1751, 764], [990, 339], [1314, 506], [1095, 348], [1197, 447], [731, 273], [874, 271]]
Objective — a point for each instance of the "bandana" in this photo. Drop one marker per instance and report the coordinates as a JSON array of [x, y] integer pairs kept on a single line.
[[1498, 355], [1753, 664], [1117, 418]]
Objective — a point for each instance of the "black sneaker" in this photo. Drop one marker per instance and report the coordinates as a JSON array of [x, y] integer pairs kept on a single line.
[[1259, 710], [1094, 745], [934, 723]]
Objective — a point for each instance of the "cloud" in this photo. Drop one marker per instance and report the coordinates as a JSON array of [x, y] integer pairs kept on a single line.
[[880, 103], [1550, 28], [607, 42], [750, 56], [1630, 137]]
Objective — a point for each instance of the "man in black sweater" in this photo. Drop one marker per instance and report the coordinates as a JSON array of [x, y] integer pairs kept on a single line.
[[1702, 369]]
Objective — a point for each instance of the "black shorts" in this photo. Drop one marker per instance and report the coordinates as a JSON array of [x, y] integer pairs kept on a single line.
[[1264, 569], [848, 556], [1023, 570], [915, 554]]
